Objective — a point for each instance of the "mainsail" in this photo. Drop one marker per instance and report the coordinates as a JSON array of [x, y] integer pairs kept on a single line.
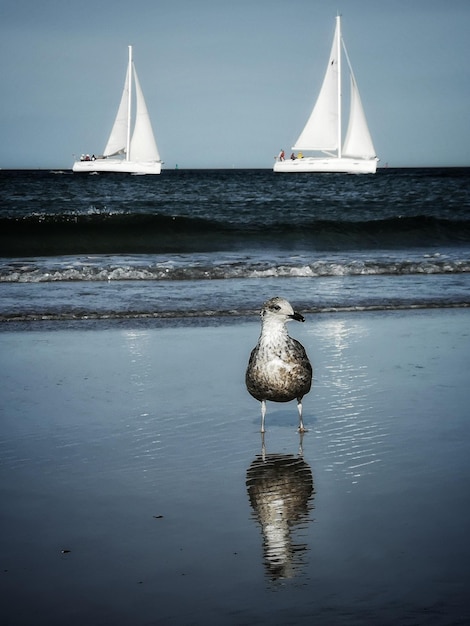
[[117, 141], [321, 130]]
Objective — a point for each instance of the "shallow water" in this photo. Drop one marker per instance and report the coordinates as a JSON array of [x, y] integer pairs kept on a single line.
[[134, 488]]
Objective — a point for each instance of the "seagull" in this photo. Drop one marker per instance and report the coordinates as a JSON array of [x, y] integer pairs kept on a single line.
[[278, 369]]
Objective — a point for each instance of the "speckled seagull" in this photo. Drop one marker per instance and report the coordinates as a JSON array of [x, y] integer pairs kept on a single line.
[[278, 369]]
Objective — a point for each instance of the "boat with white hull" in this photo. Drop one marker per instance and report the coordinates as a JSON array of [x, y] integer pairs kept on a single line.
[[323, 130], [135, 153]]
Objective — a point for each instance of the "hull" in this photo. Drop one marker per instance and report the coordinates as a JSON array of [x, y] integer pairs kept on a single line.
[[118, 165], [327, 164]]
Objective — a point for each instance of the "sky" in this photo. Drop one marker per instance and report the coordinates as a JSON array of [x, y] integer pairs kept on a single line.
[[228, 83]]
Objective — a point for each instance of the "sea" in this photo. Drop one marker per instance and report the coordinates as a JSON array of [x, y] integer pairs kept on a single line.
[[192, 245]]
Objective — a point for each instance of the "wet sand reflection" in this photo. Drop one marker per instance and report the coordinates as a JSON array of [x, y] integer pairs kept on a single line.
[[281, 491]]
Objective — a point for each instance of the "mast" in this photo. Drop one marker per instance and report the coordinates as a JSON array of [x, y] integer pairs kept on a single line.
[[338, 55], [129, 104]]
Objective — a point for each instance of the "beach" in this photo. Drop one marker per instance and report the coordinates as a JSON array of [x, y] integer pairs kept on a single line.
[[131, 455]]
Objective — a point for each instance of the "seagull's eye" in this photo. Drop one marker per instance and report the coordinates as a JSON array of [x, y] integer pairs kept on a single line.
[[276, 307]]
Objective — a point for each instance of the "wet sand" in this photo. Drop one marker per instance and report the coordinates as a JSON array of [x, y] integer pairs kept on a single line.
[[135, 490]]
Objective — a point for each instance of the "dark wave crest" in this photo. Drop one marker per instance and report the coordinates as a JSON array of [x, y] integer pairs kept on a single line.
[[129, 233]]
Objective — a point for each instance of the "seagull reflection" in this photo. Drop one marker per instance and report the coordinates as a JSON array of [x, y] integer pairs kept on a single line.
[[281, 490]]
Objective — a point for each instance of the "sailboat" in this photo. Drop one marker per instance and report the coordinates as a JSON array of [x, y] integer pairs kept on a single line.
[[136, 153], [323, 130]]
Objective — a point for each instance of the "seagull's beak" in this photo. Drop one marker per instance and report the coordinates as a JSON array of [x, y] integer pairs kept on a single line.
[[297, 317]]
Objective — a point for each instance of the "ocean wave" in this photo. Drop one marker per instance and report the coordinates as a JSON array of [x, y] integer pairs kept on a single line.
[[96, 270], [191, 317], [118, 233]]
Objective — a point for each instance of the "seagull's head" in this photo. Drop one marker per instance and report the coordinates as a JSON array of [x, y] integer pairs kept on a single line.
[[279, 309]]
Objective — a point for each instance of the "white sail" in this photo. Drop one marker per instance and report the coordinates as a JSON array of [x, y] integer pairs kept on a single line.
[[321, 130], [358, 142], [118, 138], [143, 144]]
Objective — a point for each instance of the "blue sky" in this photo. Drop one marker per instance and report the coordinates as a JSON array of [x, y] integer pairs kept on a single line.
[[230, 82]]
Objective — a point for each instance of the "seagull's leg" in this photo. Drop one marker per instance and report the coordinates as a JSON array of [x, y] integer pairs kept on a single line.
[[263, 413], [301, 443], [263, 447], [299, 407]]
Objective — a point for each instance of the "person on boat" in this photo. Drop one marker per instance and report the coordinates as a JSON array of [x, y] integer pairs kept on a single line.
[[281, 155], [300, 155], [293, 157]]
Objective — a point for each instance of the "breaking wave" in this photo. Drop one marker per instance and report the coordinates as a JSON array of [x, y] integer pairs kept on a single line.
[[180, 269]]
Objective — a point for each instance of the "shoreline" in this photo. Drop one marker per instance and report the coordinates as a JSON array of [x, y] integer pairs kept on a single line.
[[180, 317]]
